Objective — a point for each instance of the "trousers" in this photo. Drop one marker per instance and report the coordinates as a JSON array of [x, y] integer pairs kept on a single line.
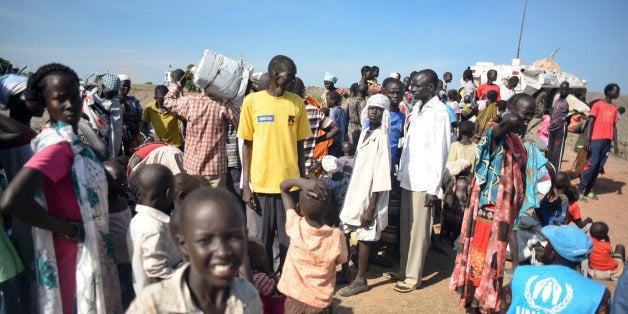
[[415, 230]]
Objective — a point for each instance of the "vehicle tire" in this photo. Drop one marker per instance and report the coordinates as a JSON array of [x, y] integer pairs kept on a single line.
[[541, 103]]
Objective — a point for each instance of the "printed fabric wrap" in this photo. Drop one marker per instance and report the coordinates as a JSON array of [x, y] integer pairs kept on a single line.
[[535, 170], [97, 286], [480, 259]]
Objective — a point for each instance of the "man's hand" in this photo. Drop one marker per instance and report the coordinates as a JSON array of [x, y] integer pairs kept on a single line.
[[248, 198], [430, 200], [552, 195], [616, 151], [366, 219]]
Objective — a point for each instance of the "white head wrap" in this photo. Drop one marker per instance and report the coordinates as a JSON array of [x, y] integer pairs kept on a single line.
[[10, 85], [330, 164], [395, 75], [381, 101], [124, 77]]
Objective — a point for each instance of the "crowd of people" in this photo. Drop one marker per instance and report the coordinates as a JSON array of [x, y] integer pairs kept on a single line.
[[192, 203]]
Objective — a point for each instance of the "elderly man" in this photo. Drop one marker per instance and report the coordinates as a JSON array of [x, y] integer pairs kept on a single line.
[[273, 125], [105, 112], [420, 171], [557, 286]]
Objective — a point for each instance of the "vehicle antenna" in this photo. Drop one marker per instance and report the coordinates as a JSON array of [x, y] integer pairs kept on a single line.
[[521, 31]]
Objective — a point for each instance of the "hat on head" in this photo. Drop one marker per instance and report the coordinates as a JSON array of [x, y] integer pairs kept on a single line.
[[111, 81], [569, 242], [10, 85], [330, 77], [330, 164], [395, 75], [124, 77]]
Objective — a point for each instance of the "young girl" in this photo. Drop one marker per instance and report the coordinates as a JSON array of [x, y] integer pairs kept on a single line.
[[309, 274], [260, 276], [72, 208], [365, 210], [457, 195]]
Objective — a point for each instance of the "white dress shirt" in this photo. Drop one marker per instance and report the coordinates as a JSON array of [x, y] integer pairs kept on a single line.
[[426, 148], [154, 254]]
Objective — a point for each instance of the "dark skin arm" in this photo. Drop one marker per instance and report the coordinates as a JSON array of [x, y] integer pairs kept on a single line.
[[19, 201], [330, 133], [145, 128], [366, 219], [314, 188], [587, 141], [615, 141], [247, 194], [16, 134], [605, 304], [508, 123], [506, 297], [301, 158]]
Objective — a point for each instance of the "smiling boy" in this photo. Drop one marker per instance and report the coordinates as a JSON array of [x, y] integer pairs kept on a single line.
[[214, 239]]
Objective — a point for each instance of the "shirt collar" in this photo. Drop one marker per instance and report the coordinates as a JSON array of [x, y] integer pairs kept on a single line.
[[147, 210], [183, 295], [430, 104]]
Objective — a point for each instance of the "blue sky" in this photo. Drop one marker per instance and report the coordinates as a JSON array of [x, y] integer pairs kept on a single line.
[[141, 38]]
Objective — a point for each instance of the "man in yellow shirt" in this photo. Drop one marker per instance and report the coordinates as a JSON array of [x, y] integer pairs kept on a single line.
[[273, 125], [165, 123]]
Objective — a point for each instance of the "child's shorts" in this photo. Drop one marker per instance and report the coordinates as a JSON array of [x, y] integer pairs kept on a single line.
[[296, 306], [368, 234], [612, 275]]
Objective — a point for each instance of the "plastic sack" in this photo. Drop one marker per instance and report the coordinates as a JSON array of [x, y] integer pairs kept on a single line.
[[222, 77]]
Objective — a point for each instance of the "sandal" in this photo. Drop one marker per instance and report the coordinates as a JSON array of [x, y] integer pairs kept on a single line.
[[393, 275], [404, 287]]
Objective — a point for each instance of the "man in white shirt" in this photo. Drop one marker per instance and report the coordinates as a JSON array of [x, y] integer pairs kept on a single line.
[[420, 171], [154, 254]]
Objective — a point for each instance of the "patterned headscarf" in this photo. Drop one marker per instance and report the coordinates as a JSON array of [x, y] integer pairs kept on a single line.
[[330, 77], [10, 85], [381, 101], [111, 82]]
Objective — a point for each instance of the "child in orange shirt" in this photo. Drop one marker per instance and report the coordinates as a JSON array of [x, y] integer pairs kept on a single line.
[[309, 274], [604, 263], [574, 210]]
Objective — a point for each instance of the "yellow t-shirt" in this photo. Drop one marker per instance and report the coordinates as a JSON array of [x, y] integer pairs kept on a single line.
[[274, 125], [165, 123]]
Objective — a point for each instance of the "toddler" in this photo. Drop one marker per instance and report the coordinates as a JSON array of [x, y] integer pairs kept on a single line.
[[603, 263], [309, 273]]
